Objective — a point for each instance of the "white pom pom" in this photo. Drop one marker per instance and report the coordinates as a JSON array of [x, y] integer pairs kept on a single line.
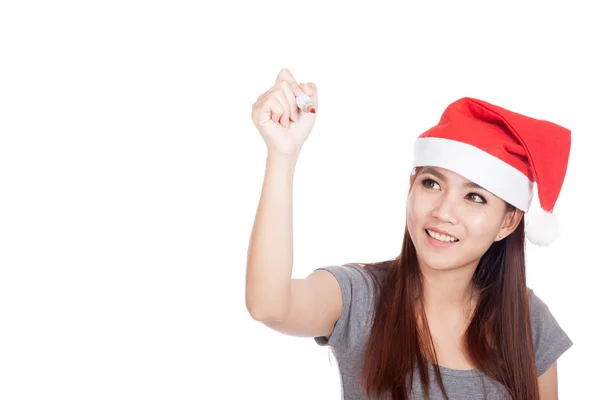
[[542, 228]]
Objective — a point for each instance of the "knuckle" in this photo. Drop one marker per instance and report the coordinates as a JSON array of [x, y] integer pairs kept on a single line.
[[276, 92]]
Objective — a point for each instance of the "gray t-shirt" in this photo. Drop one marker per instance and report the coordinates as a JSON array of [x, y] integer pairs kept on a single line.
[[351, 332]]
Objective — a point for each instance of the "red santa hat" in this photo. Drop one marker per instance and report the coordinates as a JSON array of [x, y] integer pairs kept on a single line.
[[503, 152]]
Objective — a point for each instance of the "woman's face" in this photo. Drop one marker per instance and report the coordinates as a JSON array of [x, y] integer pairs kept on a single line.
[[452, 221]]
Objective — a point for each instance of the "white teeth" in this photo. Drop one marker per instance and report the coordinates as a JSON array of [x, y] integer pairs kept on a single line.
[[441, 237]]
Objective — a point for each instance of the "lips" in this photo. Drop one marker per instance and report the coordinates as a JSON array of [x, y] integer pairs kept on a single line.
[[441, 237]]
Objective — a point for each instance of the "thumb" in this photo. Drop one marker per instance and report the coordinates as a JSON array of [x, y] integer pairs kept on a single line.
[[310, 89]]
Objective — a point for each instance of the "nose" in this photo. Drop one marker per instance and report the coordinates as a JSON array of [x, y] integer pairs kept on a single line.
[[444, 209]]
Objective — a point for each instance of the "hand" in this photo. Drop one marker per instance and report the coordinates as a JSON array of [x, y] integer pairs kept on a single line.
[[283, 126]]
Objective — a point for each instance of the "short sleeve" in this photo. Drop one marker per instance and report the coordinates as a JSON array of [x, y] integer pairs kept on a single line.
[[357, 288], [549, 340]]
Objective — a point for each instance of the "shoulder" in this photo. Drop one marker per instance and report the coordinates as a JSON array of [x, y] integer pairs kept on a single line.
[[538, 310], [350, 272], [358, 284], [550, 340], [535, 302], [359, 279]]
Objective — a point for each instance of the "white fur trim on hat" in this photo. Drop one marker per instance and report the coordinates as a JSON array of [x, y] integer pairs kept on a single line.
[[489, 172], [542, 228]]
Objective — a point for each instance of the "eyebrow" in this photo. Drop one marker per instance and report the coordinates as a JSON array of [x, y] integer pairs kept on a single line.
[[440, 176]]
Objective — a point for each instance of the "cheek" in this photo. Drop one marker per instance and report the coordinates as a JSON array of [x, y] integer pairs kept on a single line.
[[482, 224], [414, 209], [417, 214]]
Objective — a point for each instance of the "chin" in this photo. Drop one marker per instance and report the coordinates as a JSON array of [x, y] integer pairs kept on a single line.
[[440, 263], [439, 259]]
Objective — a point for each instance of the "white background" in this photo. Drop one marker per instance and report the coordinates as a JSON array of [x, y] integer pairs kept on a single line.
[[130, 173]]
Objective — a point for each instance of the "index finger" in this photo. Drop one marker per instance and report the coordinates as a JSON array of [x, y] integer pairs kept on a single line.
[[285, 75]]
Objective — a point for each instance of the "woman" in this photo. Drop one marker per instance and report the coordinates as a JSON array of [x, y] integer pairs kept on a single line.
[[451, 317]]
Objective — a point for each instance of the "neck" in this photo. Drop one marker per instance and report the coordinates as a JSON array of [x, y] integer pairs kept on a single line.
[[447, 288]]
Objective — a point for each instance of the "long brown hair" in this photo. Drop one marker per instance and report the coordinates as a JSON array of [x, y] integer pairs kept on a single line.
[[498, 336]]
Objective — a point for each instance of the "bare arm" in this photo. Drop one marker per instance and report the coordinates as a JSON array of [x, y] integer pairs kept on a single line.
[[270, 252], [315, 307], [297, 307], [548, 384]]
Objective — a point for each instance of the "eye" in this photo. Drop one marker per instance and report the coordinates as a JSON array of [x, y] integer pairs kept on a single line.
[[429, 183], [477, 198]]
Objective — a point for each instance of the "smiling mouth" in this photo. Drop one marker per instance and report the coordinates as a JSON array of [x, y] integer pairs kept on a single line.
[[441, 237]]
